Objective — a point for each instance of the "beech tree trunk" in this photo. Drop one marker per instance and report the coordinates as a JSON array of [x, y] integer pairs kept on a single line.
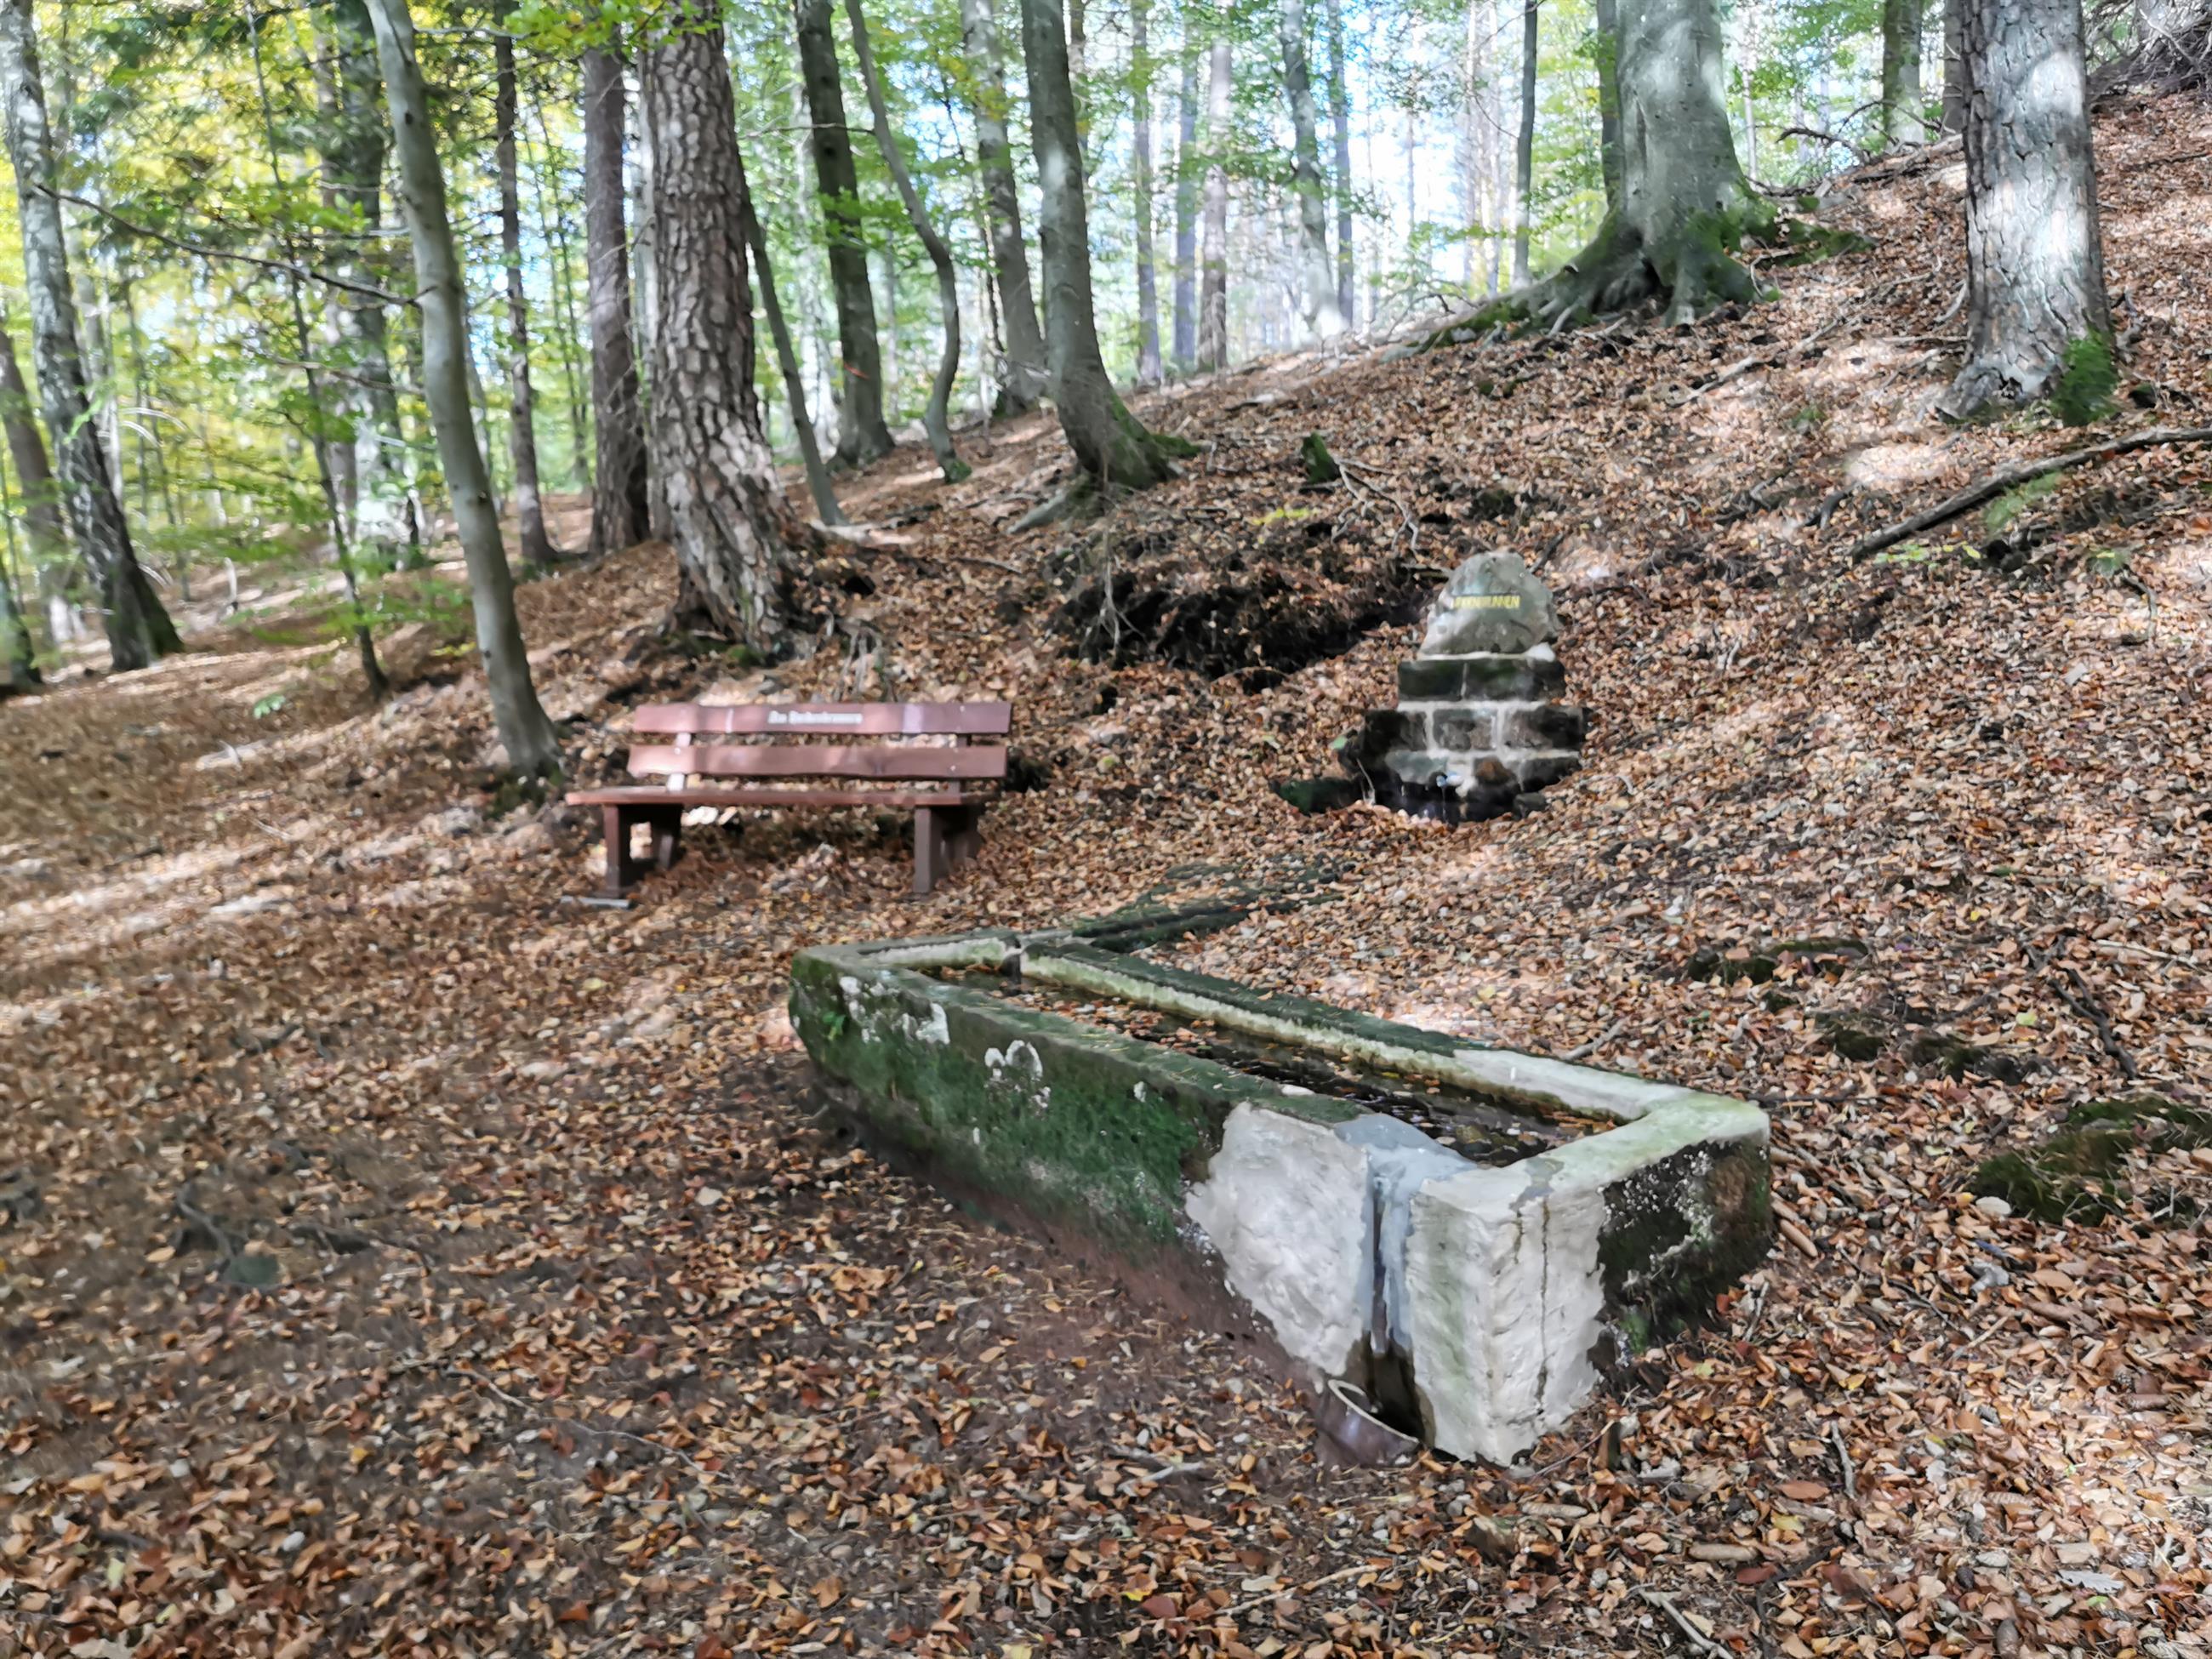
[[937, 414], [1317, 281], [620, 503], [138, 629], [786, 359], [1214, 260], [1186, 232], [730, 525], [1149, 371], [1607, 15], [522, 426], [19, 667], [39, 502], [377, 506], [533, 746], [994, 160], [861, 434], [1954, 66], [2035, 273], [1685, 207], [1524, 143], [1114, 451], [1900, 73], [1340, 110]]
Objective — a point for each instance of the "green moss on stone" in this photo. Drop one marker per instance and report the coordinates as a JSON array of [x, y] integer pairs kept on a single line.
[[1680, 1231], [2079, 1173]]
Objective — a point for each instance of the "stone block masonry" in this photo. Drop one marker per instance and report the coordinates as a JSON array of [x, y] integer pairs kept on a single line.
[[1479, 723], [1482, 1302]]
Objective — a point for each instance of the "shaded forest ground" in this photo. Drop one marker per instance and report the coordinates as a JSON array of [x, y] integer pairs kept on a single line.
[[398, 1259]]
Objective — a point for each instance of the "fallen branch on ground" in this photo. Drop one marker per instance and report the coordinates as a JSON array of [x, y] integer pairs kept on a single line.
[[2012, 477], [1699, 1641]]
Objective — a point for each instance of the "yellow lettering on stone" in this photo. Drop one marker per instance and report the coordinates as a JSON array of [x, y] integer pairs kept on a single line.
[[1486, 601]]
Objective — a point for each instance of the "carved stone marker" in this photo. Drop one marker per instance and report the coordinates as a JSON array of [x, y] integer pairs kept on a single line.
[[1479, 722]]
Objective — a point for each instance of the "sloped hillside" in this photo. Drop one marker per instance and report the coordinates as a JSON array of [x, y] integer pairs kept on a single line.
[[399, 1258]]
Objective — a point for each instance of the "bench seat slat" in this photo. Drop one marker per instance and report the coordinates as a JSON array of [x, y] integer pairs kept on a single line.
[[645, 795], [761, 760], [828, 718]]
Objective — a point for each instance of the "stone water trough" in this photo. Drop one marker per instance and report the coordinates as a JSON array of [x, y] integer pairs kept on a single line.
[[1469, 1236]]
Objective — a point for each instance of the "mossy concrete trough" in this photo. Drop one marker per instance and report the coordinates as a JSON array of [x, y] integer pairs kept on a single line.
[[1485, 1302]]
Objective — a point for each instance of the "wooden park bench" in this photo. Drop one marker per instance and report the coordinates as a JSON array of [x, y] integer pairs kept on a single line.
[[938, 782]]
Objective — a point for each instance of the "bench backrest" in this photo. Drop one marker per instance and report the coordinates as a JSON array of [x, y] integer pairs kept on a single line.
[[687, 756]]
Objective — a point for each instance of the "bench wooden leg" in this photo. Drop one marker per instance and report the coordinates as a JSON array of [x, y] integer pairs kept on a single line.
[[963, 836], [667, 836], [620, 872], [928, 847]]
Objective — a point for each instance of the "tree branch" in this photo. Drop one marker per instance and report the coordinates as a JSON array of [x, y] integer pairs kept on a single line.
[[2012, 477], [201, 252]]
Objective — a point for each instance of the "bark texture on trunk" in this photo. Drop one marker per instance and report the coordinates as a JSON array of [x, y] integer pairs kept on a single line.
[[1186, 233], [1114, 450], [2035, 273], [861, 434], [19, 667], [1214, 260], [533, 746], [621, 505], [786, 359], [1607, 15], [1149, 371], [937, 414], [1685, 207], [995, 160], [1524, 143], [378, 507], [1317, 279], [731, 526], [138, 629], [40, 500], [1954, 66], [1900, 73], [522, 425], [1340, 112]]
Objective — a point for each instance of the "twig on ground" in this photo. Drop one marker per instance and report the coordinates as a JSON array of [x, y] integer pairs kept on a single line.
[[1584, 1050], [1699, 1641], [1307, 1588], [1844, 1465], [2083, 1001], [2012, 477]]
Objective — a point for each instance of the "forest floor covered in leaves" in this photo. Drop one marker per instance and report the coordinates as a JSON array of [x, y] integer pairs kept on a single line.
[[398, 1259]]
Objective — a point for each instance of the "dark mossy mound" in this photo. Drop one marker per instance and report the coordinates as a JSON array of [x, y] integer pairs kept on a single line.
[[2081, 1172]]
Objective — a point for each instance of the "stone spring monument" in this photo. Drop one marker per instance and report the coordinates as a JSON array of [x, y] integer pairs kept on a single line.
[[1478, 724]]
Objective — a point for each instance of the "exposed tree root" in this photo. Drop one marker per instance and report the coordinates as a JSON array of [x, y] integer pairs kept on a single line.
[[2012, 477]]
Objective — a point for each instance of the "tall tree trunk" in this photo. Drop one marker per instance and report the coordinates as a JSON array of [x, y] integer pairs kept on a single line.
[[1185, 231], [522, 426], [731, 524], [861, 434], [375, 499], [1685, 207], [937, 415], [995, 160], [1340, 110], [1607, 51], [644, 307], [1317, 280], [19, 662], [533, 746], [1149, 371], [621, 505], [40, 505], [1748, 68], [1954, 66], [563, 259], [2035, 271], [1524, 144], [788, 363], [1114, 450], [1214, 260], [1900, 73], [138, 629]]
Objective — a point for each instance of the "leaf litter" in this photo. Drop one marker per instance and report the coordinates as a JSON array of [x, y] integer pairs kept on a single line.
[[395, 1259]]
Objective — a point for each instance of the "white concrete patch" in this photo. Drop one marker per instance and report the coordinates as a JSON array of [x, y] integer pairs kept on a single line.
[[1286, 1206]]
